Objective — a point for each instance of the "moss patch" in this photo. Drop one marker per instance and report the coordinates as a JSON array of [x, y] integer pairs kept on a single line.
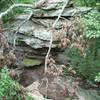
[[31, 62]]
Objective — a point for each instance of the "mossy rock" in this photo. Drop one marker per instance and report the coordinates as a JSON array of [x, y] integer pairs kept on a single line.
[[27, 62]]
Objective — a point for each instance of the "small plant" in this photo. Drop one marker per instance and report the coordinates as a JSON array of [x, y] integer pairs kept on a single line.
[[97, 78], [9, 89]]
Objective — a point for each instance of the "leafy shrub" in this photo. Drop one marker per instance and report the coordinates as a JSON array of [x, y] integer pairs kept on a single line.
[[87, 2], [92, 22], [97, 78], [87, 64], [25, 1], [9, 89]]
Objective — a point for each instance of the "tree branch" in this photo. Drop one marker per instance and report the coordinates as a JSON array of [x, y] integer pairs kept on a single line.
[[51, 39], [67, 1], [21, 24], [15, 6]]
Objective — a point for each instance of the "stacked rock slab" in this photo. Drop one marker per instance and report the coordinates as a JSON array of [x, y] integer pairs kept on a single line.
[[33, 37]]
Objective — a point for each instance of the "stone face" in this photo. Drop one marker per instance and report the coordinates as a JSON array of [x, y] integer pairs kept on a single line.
[[62, 59], [56, 90], [89, 94], [35, 43], [40, 28], [36, 32], [34, 92]]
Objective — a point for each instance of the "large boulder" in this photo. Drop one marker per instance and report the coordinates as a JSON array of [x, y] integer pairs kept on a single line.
[[36, 32]]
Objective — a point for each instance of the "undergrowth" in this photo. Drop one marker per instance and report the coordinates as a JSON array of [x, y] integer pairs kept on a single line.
[[9, 88], [89, 3], [97, 78], [5, 4], [87, 64]]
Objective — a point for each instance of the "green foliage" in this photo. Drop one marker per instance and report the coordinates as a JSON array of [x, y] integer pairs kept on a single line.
[[25, 1], [89, 3], [4, 4], [92, 22], [31, 62], [9, 89], [86, 65], [97, 78]]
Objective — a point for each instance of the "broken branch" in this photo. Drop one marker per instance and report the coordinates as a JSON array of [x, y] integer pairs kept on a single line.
[[15, 6]]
